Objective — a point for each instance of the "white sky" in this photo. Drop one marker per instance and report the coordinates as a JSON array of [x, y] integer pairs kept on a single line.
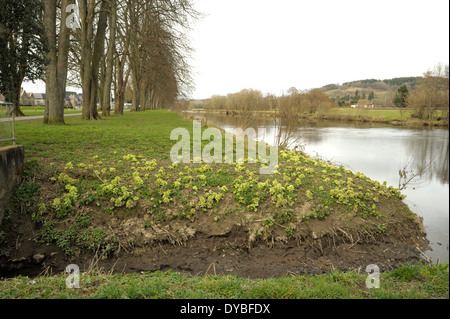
[[274, 45]]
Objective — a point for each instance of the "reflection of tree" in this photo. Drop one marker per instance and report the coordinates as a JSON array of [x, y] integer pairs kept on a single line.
[[245, 121], [283, 131], [430, 151], [311, 134]]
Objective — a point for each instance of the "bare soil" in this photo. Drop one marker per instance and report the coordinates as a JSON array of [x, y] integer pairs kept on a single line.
[[322, 247]]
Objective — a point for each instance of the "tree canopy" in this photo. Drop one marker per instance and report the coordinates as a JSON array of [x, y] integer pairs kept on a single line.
[[22, 44]]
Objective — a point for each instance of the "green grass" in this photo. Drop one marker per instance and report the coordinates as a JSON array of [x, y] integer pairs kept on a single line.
[[36, 111], [407, 282], [381, 115], [387, 115]]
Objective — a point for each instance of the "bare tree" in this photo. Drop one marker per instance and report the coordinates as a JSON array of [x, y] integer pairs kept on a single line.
[[159, 50], [122, 69], [109, 60], [92, 47], [431, 94], [137, 44]]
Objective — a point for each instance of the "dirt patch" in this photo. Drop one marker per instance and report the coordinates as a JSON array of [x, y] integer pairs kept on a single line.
[[320, 249]]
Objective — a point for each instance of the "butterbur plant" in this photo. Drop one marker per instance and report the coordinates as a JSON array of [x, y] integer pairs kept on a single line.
[[62, 205]]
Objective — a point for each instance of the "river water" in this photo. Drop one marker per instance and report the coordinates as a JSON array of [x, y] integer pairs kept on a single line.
[[378, 151]]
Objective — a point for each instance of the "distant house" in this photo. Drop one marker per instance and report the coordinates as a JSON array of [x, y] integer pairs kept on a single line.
[[26, 98], [39, 99], [21, 96], [364, 104], [79, 98], [73, 99]]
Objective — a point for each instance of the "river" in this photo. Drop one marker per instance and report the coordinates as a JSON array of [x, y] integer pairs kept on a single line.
[[380, 152]]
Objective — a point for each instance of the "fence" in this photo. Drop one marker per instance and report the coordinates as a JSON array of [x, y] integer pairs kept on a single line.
[[7, 123]]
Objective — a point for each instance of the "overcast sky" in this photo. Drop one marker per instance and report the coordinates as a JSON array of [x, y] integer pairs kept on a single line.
[[274, 45]]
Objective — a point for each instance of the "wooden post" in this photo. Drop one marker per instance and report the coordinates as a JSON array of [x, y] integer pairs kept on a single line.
[[14, 125]]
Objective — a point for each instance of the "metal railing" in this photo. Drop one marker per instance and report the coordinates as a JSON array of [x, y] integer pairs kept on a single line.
[[9, 108]]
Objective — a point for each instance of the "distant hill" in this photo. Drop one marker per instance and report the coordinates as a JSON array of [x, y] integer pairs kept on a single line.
[[378, 91]]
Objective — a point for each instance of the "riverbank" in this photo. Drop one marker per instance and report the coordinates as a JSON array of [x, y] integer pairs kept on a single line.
[[397, 117], [107, 193]]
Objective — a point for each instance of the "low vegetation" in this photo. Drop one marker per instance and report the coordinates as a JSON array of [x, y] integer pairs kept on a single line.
[[407, 282]]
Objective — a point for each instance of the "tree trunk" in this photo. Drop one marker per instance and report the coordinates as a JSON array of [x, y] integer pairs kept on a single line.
[[143, 97], [92, 51], [106, 106], [87, 26], [122, 82], [56, 72], [16, 101], [137, 97], [119, 98]]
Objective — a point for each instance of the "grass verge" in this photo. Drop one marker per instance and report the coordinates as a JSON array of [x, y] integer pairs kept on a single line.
[[407, 282]]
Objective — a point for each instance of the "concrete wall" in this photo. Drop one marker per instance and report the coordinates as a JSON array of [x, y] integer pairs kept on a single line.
[[11, 167]]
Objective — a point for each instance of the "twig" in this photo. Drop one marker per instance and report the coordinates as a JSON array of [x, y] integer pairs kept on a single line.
[[214, 268], [98, 176], [403, 174], [426, 257], [162, 248]]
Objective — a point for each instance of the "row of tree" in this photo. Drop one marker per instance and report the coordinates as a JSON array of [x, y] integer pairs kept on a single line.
[[294, 101], [102, 46], [348, 99], [431, 94]]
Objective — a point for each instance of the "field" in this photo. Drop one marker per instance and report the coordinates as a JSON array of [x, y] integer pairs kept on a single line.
[[387, 115], [379, 115], [105, 195]]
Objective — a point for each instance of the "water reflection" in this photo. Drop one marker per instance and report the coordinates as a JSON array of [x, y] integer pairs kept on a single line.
[[379, 151], [430, 149]]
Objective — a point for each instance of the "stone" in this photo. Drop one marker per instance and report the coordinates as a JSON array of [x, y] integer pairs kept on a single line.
[[18, 260], [38, 258]]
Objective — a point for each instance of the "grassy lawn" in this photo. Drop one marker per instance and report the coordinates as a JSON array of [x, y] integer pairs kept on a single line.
[[81, 176], [407, 282], [381, 115], [113, 137], [36, 111]]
